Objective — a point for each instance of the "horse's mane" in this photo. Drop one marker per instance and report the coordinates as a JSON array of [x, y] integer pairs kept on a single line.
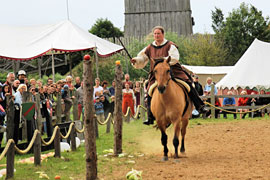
[[158, 60]]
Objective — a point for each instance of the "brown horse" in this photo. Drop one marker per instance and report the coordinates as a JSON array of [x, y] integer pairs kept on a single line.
[[170, 105]]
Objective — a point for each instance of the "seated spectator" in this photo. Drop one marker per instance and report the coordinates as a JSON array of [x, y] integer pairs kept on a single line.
[[208, 85], [242, 101], [229, 102], [251, 102], [198, 86], [264, 101]]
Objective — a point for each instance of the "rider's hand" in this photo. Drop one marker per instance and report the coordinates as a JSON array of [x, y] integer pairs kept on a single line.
[[133, 61]]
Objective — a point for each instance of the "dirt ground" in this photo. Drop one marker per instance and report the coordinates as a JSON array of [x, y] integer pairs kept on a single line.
[[231, 150]]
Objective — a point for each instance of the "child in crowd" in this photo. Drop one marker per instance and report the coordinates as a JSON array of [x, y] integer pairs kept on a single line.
[[99, 109]]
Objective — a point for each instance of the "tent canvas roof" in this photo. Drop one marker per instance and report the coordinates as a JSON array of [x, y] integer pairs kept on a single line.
[[209, 69], [252, 69], [24, 43]]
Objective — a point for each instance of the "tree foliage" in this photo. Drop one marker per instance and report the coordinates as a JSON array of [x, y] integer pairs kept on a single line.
[[105, 29], [239, 29], [203, 50]]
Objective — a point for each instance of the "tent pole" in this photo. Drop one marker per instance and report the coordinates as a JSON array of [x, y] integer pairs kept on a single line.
[[53, 72], [96, 57]]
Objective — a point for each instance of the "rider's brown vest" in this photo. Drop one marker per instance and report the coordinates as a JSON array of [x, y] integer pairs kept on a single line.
[[158, 52]]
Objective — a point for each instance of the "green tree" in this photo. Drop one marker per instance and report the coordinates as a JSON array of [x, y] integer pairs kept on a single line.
[[239, 29], [105, 29], [203, 50]]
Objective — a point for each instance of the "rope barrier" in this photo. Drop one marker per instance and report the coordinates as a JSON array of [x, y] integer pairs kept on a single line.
[[30, 144], [4, 152], [79, 131], [68, 133], [236, 112], [52, 138], [106, 121]]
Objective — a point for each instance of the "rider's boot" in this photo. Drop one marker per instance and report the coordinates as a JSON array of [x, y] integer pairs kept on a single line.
[[198, 103], [151, 118]]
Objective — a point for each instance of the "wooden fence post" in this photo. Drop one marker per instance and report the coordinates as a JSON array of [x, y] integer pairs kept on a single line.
[[75, 106], [212, 101], [118, 121], [89, 132], [10, 117], [37, 150], [10, 161], [73, 138], [57, 149]]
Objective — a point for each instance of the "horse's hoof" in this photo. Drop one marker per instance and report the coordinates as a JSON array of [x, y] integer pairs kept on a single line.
[[165, 158]]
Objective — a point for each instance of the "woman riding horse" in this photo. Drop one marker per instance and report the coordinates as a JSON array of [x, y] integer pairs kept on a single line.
[[170, 105], [161, 48]]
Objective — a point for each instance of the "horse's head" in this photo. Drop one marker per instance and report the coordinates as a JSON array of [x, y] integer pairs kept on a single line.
[[162, 73]]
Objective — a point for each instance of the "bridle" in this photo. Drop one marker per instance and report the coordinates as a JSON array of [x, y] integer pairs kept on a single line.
[[157, 61]]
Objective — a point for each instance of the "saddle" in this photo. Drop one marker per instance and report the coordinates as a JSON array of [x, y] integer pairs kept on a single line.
[[179, 82]]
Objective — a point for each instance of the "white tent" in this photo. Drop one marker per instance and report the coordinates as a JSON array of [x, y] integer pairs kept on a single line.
[[24, 43], [203, 72], [252, 69]]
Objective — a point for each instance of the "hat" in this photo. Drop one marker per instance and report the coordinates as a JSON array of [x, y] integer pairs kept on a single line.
[[66, 86], [97, 97], [22, 72]]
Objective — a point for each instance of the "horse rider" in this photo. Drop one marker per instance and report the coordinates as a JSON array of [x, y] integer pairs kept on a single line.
[[162, 48]]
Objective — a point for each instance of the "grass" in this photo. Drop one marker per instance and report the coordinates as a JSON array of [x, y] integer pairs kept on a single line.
[[72, 164]]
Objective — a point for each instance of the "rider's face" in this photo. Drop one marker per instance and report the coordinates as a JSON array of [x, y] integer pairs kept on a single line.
[[158, 35]]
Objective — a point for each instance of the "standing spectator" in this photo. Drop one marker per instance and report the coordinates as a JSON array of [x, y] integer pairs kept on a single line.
[[198, 86], [15, 85], [242, 101], [3, 95], [229, 102], [80, 100], [127, 81], [137, 93], [97, 88], [128, 99], [112, 89], [69, 83], [33, 82], [2, 118], [17, 115], [22, 76], [77, 82], [39, 83], [105, 90], [99, 110], [67, 100], [49, 81], [207, 87], [10, 80]]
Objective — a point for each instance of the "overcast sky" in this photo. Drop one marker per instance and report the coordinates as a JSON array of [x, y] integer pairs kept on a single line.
[[84, 13]]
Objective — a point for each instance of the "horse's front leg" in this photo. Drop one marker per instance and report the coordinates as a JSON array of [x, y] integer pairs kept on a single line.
[[164, 139], [176, 139]]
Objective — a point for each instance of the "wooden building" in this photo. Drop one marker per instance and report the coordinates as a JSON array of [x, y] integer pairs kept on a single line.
[[142, 15]]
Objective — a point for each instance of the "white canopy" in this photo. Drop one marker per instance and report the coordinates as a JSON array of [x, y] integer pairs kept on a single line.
[[209, 69], [252, 69], [24, 43]]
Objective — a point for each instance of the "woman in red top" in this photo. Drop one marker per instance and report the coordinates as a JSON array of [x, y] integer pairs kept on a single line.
[[128, 99], [242, 101]]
